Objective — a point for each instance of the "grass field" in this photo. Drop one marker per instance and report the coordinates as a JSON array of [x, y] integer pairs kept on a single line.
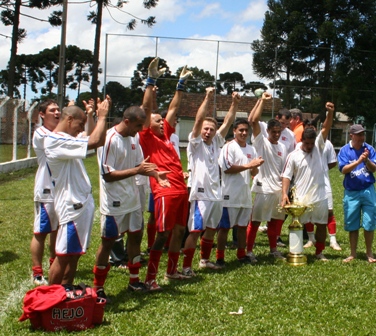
[[6, 152], [330, 298]]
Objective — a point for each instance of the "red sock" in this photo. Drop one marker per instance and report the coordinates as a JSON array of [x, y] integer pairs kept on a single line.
[[37, 270], [309, 227], [251, 236], [100, 275], [134, 270], [319, 247], [188, 257], [172, 264], [279, 224], [151, 231], [332, 225], [153, 264], [240, 253], [220, 254], [272, 233], [51, 260], [206, 247]]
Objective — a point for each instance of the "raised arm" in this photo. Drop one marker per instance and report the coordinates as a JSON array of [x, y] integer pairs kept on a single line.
[[175, 103], [230, 116], [202, 112], [149, 94], [256, 117], [327, 124], [89, 109], [98, 136]]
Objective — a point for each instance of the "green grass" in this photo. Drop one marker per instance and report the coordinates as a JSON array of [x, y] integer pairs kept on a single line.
[[318, 299], [6, 152]]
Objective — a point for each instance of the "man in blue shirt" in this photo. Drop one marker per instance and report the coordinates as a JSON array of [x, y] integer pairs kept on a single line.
[[357, 162]]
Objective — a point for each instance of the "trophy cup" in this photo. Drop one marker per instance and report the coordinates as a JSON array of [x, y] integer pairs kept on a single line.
[[295, 209]]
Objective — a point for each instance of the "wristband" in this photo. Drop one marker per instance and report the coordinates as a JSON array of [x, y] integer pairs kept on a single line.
[[181, 85], [151, 81]]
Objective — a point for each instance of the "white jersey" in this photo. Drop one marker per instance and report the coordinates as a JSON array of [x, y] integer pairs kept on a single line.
[[72, 185], [43, 187], [329, 156], [287, 137], [308, 172], [205, 182], [174, 139], [119, 153], [268, 180], [236, 188], [140, 179]]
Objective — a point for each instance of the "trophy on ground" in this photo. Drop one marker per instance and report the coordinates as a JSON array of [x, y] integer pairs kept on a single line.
[[296, 209]]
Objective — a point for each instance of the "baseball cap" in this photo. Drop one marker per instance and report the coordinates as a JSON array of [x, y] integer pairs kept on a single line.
[[355, 129]]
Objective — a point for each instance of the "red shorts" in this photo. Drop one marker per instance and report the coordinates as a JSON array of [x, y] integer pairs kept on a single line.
[[170, 211]]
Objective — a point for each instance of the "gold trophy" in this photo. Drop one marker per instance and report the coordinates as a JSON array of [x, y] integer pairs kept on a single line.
[[295, 209]]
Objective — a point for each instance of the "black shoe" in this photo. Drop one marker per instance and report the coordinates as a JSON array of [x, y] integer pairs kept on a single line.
[[280, 243], [101, 294], [137, 287], [220, 263]]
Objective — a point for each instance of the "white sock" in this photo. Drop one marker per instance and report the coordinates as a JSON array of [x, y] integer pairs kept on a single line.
[[311, 236]]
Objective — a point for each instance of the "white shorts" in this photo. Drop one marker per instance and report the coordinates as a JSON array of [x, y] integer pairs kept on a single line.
[[235, 216], [204, 214], [330, 200], [45, 218], [73, 238], [113, 226], [318, 215], [142, 190], [265, 207]]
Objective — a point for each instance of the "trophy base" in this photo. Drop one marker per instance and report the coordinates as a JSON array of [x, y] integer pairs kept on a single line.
[[296, 259]]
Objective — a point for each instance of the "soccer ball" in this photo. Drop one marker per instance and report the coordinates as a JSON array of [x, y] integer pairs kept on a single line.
[[258, 92]]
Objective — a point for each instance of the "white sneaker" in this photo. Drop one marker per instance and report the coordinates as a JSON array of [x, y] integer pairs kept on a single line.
[[321, 257], [252, 257], [207, 264], [262, 229], [335, 246], [309, 243], [39, 280], [277, 255], [188, 272]]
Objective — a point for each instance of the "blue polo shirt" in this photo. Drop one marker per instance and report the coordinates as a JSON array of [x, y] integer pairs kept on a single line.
[[360, 177]]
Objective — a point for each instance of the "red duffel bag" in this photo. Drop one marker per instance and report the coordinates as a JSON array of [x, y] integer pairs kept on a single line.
[[57, 307]]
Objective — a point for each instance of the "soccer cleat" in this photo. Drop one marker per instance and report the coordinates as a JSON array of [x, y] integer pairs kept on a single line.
[[335, 246], [252, 257], [152, 286], [309, 243], [280, 243], [137, 287], [277, 255], [263, 229], [176, 276], [39, 280], [207, 264], [220, 263], [188, 272], [101, 294], [321, 257]]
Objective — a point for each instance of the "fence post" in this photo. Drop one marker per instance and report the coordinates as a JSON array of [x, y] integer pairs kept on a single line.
[[29, 115], [15, 128], [1, 113]]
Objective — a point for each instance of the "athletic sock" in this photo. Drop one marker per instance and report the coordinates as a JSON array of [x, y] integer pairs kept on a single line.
[[272, 234], [332, 225], [220, 254], [100, 275], [188, 257], [172, 264], [319, 247], [37, 271], [251, 236], [240, 253], [151, 232], [206, 248], [153, 264], [134, 269]]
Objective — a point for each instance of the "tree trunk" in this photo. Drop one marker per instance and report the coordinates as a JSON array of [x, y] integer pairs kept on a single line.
[[13, 50], [97, 40]]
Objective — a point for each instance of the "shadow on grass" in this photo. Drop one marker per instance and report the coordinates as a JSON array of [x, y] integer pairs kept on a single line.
[[7, 256]]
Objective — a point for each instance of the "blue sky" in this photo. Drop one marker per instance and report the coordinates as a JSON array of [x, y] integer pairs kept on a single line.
[[224, 20]]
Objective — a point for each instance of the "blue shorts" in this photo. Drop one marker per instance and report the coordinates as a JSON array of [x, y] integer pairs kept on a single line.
[[151, 203], [359, 209]]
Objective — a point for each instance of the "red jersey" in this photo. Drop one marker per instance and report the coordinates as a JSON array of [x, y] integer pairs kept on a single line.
[[163, 154]]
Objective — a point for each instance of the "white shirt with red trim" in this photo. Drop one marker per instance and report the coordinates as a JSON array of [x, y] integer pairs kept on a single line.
[[268, 180], [43, 187], [118, 153], [236, 188], [203, 162], [72, 185]]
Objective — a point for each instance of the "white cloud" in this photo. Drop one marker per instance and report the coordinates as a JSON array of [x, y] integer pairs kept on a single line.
[[254, 12], [209, 10]]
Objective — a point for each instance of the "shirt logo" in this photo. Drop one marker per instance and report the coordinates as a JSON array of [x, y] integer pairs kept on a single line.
[[249, 156], [133, 146], [200, 190], [284, 138], [116, 204], [279, 154], [226, 197]]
